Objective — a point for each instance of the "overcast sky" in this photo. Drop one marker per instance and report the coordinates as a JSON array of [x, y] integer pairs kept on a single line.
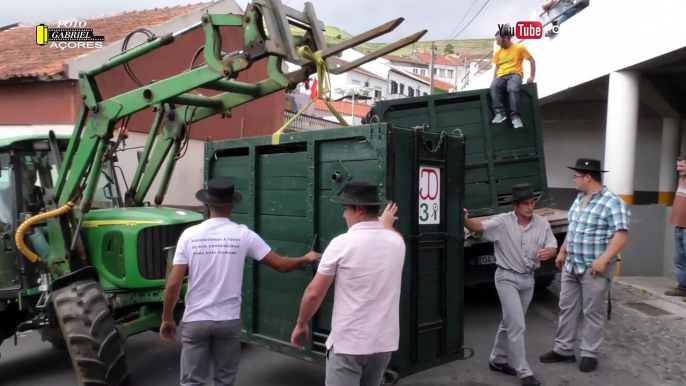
[[439, 17]]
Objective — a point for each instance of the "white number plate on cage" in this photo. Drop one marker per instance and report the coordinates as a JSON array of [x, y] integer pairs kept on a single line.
[[429, 195]]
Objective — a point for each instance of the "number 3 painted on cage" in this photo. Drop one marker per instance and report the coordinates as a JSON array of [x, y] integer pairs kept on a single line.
[[429, 195]]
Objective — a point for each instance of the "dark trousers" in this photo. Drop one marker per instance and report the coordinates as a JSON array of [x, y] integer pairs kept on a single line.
[[509, 83]]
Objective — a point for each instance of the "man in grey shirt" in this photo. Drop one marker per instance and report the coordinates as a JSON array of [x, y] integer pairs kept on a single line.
[[520, 239]]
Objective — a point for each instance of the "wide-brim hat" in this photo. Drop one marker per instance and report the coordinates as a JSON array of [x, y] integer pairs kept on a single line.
[[219, 192], [522, 192], [587, 165], [359, 193]]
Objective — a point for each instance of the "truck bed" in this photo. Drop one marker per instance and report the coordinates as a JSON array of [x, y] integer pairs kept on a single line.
[[556, 217]]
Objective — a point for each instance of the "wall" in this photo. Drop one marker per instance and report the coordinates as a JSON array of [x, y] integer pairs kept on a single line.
[[378, 66], [260, 117], [186, 179], [587, 32], [38, 103], [408, 82], [574, 129]]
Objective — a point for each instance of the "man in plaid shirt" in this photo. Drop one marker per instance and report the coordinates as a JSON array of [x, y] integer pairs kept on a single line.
[[598, 230]]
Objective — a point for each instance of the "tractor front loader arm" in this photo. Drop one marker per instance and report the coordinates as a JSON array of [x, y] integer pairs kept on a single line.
[[179, 102]]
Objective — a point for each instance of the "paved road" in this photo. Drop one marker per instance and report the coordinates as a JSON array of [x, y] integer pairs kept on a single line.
[[155, 363]]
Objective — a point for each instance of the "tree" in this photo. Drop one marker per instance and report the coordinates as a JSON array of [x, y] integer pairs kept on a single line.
[[448, 49]]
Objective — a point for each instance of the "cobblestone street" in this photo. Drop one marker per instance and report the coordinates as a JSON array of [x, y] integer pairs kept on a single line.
[[650, 347]]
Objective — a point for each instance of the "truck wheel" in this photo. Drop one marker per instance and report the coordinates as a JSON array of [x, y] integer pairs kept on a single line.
[[390, 377], [544, 282], [91, 335]]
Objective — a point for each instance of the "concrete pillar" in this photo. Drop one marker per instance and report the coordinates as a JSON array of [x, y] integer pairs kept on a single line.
[[620, 134], [671, 144]]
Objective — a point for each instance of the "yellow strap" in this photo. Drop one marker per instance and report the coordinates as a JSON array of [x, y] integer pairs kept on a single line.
[[323, 77]]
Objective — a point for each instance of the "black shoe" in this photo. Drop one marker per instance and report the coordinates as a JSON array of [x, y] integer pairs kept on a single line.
[[588, 364], [502, 368], [530, 381], [553, 357]]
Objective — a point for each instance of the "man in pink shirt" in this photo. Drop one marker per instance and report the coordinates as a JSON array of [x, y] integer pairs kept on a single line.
[[366, 264]]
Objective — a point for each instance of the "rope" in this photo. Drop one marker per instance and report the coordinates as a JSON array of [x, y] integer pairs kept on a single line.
[[322, 90]]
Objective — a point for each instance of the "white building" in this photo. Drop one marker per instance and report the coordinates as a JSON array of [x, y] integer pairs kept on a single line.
[[621, 103]]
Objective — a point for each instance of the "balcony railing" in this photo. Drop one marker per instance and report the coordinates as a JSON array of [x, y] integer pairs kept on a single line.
[[574, 8], [307, 123]]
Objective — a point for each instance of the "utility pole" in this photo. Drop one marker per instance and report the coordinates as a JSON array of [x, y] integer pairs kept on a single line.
[[431, 68]]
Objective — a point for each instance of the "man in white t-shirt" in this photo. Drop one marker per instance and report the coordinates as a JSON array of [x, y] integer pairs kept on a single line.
[[366, 264], [214, 253]]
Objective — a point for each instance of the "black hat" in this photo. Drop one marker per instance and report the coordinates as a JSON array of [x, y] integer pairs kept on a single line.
[[359, 193], [219, 192], [522, 192], [587, 165]]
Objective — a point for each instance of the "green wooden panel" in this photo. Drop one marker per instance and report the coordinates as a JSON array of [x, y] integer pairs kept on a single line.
[[473, 175], [284, 183], [472, 112], [282, 202], [477, 196], [288, 248], [282, 165], [429, 346], [295, 229], [292, 202], [349, 170], [517, 169], [355, 149]]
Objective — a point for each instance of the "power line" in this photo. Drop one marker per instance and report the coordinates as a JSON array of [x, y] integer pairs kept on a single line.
[[470, 22], [463, 17]]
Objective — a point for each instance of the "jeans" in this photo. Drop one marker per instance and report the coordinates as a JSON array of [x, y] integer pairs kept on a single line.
[[509, 83], [680, 256]]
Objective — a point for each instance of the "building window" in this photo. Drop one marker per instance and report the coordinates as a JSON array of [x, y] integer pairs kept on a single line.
[[410, 92], [426, 94], [402, 89], [416, 71], [423, 72], [394, 87], [418, 93], [366, 84], [377, 93], [441, 73], [451, 73]]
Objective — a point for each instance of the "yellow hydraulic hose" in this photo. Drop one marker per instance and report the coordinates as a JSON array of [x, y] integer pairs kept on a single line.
[[19, 236]]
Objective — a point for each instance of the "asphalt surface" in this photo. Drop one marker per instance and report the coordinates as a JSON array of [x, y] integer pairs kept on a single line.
[[156, 363]]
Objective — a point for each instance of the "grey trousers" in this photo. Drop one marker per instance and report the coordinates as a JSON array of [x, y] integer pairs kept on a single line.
[[210, 342], [355, 370], [582, 293], [515, 291]]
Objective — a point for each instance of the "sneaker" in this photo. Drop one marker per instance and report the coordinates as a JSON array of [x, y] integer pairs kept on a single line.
[[530, 381], [588, 364], [676, 292], [552, 357], [502, 368], [499, 117], [517, 123]]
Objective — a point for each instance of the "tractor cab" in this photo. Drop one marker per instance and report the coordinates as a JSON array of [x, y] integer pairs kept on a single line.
[[28, 174]]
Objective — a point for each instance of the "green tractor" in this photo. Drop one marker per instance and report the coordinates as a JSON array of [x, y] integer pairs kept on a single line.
[[84, 261]]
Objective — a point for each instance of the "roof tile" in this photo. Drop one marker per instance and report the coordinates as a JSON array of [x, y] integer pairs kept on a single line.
[[343, 107], [21, 57]]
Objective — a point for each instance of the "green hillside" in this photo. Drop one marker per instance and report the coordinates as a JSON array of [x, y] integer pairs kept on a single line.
[[335, 35]]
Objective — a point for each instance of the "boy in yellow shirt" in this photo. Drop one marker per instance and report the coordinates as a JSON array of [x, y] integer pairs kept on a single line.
[[508, 75]]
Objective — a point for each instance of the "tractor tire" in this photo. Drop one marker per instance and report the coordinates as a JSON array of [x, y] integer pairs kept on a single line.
[[91, 335]]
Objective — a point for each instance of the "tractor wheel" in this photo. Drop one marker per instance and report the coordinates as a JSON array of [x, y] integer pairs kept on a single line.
[[91, 335]]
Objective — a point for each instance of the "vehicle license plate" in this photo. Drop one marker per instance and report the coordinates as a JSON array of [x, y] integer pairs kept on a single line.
[[485, 259]]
